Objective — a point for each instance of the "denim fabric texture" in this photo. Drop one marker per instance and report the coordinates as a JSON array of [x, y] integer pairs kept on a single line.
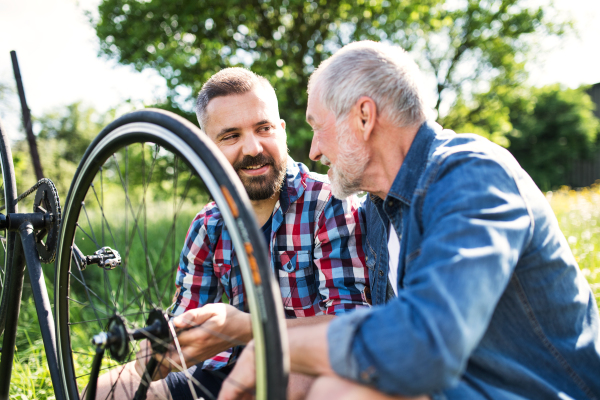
[[491, 302]]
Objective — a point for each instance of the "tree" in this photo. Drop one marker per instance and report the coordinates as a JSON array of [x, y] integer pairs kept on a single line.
[[6, 98], [187, 41], [63, 136], [552, 127]]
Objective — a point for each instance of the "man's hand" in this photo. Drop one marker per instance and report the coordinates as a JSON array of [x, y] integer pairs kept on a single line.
[[203, 333], [241, 382]]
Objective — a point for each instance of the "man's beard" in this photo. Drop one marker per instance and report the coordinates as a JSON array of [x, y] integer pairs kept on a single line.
[[261, 187], [347, 174]]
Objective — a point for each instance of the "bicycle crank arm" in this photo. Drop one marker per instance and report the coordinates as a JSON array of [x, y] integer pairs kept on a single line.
[[96, 364], [142, 390], [13, 221]]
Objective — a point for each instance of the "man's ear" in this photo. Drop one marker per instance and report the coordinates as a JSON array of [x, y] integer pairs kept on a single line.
[[365, 116], [282, 123]]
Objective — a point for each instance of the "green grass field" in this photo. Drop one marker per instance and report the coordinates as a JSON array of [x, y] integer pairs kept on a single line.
[[577, 212]]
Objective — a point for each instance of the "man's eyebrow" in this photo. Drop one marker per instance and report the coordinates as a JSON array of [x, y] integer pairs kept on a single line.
[[264, 121]]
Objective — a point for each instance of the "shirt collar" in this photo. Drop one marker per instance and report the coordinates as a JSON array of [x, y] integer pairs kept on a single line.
[[406, 180], [293, 185]]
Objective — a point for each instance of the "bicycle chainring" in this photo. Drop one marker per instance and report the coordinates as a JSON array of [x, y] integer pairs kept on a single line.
[[47, 201]]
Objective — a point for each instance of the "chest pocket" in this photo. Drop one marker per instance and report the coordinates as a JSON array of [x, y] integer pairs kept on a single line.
[[297, 279]]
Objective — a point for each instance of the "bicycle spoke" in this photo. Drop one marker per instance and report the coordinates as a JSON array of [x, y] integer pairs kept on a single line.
[[108, 287], [88, 289], [140, 209], [90, 225], [172, 230], [104, 216], [88, 235]]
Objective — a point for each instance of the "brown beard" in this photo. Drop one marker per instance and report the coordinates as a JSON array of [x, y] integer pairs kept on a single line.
[[265, 186]]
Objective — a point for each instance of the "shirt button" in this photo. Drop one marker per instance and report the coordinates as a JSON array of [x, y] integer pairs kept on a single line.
[[380, 273], [391, 203], [366, 258], [365, 376]]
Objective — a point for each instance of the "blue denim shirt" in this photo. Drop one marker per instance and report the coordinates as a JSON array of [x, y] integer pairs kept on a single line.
[[491, 303]]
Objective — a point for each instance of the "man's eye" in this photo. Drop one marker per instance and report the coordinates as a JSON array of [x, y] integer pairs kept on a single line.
[[265, 129], [229, 137]]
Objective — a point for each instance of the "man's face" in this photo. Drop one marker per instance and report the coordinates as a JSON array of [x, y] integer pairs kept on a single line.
[[249, 132], [335, 144]]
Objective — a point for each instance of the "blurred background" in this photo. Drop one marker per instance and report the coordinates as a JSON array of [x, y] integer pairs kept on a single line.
[[523, 73]]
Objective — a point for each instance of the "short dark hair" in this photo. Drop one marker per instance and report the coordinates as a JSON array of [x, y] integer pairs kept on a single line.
[[228, 81]]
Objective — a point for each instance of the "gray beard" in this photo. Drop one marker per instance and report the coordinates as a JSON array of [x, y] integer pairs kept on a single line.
[[347, 175]]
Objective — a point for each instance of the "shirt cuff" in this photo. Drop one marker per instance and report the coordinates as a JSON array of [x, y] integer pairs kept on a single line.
[[340, 336]]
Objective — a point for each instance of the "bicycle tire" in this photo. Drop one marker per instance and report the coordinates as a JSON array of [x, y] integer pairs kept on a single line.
[[167, 132], [9, 191]]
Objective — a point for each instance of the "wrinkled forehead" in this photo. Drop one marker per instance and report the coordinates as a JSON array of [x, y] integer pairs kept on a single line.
[[316, 112]]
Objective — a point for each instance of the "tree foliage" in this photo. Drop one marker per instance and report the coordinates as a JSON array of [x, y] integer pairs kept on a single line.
[[62, 136], [552, 127], [464, 44], [546, 129]]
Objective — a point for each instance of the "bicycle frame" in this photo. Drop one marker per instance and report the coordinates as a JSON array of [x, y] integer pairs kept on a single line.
[[25, 254]]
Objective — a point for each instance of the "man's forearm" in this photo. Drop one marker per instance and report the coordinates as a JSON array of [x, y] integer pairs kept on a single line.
[[309, 349], [319, 319]]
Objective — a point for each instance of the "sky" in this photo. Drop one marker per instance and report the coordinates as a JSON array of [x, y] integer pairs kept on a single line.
[[58, 56]]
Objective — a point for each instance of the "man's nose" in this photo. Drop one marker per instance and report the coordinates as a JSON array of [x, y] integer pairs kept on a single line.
[[315, 153], [252, 146]]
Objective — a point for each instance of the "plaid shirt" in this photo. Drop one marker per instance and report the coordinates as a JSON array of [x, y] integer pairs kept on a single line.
[[316, 251]]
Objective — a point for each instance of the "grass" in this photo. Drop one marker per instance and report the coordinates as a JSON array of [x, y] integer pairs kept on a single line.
[[577, 212]]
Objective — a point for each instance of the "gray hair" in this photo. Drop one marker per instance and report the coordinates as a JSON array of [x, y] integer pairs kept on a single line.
[[385, 73], [227, 82]]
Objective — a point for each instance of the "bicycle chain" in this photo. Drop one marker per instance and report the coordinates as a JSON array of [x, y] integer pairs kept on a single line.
[[47, 251], [32, 189]]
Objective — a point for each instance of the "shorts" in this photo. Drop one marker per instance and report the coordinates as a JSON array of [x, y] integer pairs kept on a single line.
[[210, 381]]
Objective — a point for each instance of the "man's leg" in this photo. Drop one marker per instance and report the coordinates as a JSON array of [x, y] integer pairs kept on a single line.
[[298, 386], [329, 387], [122, 383]]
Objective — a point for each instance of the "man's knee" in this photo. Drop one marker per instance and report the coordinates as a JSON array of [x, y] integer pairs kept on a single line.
[[123, 382], [298, 386]]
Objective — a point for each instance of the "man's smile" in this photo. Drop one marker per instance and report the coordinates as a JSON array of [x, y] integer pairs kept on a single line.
[[256, 169]]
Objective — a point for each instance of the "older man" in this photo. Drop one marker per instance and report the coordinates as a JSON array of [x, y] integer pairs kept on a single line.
[[476, 293], [321, 272]]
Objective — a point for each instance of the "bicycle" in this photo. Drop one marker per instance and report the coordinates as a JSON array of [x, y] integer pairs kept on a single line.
[[116, 248]]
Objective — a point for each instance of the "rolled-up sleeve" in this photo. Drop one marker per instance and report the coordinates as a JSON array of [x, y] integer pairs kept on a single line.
[[196, 281], [473, 224]]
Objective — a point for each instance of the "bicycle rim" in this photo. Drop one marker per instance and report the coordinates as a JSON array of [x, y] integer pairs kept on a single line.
[[137, 189], [8, 192]]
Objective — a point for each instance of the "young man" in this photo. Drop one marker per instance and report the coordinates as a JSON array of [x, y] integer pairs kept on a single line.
[[315, 240], [487, 300]]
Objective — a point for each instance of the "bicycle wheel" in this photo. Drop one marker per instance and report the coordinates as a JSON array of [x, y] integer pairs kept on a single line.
[[8, 191], [136, 190]]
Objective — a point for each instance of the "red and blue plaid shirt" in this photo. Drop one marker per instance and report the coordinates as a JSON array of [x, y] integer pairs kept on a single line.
[[316, 251]]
